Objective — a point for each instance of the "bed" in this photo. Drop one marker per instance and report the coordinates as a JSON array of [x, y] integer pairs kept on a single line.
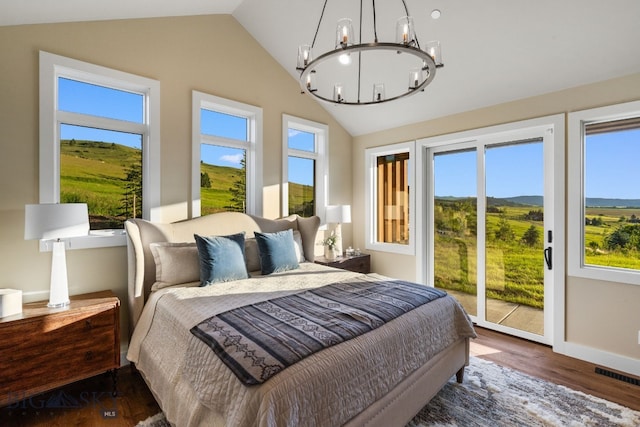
[[380, 378]]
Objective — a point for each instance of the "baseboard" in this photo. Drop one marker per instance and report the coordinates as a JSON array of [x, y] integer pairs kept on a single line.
[[600, 357]]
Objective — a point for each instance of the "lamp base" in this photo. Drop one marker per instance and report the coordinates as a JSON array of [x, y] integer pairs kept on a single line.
[[59, 290], [338, 233]]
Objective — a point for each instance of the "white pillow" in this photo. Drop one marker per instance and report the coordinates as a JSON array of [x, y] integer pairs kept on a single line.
[[176, 263], [251, 254], [297, 244]]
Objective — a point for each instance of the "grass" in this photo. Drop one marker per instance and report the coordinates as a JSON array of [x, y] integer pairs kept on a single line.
[[611, 219], [514, 271], [95, 173]]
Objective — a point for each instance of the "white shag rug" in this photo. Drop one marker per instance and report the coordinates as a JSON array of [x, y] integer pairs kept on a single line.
[[495, 396]]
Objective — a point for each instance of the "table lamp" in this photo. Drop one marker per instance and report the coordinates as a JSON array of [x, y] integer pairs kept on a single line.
[[56, 221], [338, 214]]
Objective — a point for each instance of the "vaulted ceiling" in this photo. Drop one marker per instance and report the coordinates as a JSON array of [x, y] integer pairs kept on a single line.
[[494, 51]]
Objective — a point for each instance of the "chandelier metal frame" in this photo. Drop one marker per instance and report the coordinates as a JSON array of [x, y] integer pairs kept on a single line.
[[430, 62]]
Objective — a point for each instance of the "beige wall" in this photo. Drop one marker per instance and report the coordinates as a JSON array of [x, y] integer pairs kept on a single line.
[[599, 315], [212, 54]]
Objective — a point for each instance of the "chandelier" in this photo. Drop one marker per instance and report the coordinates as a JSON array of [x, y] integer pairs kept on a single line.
[[363, 73]]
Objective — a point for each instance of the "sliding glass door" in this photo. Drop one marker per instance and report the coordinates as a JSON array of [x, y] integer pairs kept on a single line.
[[490, 236]]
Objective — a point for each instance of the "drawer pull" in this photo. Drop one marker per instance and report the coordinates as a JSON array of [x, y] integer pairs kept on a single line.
[[88, 356], [87, 325]]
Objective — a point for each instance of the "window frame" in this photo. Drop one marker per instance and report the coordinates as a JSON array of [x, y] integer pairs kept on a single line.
[[53, 67], [321, 139], [371, 156], [252, 146], [576, 213]]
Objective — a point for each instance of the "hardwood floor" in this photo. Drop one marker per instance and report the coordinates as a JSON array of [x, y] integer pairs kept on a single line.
[[540, 361], [94, 405]]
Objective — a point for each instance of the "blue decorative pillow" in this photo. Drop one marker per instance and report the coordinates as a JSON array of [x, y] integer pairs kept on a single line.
[[277, 251], [221, 258]]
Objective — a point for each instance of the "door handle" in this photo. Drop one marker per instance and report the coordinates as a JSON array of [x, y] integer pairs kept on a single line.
[[547, 257]]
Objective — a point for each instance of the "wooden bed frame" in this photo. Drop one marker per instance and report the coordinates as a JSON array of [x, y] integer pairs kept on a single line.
[[394, 409]]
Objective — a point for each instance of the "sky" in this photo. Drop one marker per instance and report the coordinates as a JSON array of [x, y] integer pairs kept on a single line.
[[512, 170], [612, 163], [611, 167]]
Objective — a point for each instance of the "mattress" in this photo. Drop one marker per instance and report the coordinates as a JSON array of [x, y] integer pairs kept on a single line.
[[327, 388]]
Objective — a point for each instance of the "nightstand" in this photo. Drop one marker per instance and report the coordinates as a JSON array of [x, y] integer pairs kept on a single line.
[[44, 348], [358, 263]]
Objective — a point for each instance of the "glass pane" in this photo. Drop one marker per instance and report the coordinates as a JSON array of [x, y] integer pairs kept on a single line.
[[301, 140], [223, 178], [102, 168], [393, 199], [455, 226], [224, 125], [514, 269], [612, 197], [85, 98], [301, 181]]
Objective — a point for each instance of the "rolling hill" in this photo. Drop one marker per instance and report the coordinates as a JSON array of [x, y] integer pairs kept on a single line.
[[96, 173]]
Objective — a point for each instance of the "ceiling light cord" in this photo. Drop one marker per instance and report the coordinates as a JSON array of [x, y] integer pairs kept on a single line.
[[313, 44]]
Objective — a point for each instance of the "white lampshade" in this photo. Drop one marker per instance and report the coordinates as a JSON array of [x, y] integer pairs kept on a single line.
[[339, 214], [56, 221]]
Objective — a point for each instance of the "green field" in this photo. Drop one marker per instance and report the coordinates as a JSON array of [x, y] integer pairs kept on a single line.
[[107, 177], [514, 270], [609, 220], [514, 264], [96, 173]]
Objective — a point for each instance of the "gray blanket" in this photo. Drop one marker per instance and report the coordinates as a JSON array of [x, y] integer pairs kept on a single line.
[[259, 340]]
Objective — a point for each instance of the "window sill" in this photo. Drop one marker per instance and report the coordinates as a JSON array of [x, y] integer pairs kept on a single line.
[[394, 248], [95, 239], [607, 274]]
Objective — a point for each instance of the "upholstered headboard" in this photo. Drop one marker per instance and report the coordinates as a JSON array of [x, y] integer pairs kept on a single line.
[[141, 233]]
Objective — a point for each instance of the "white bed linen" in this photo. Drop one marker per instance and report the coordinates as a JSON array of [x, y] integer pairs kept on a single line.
[[325, 389]]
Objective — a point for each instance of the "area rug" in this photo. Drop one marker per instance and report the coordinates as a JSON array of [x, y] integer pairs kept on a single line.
[[495, 396]]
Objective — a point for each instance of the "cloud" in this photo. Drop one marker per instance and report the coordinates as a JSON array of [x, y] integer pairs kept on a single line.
[[232, 158], [293, 132]]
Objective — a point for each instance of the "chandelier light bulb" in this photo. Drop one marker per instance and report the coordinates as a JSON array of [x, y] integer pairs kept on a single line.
[[405, 32], [338, 95], [304, 56], [344, 33]]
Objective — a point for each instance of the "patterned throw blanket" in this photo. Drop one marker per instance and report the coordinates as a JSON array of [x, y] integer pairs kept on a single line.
[[259, 340]]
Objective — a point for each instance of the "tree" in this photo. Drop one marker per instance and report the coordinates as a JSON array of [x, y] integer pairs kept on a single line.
[[536, 215], [531, 237], [504, 231], [624, 237], [205, 180], [238, 189], [132, 198]]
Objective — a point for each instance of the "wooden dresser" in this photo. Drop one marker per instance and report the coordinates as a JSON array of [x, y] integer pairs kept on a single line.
[[43, 348]]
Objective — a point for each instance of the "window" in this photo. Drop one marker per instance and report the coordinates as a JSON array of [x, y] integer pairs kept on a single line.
[[389, 200], [99, 144], [304, 167], [227, 156], [604, 204]]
